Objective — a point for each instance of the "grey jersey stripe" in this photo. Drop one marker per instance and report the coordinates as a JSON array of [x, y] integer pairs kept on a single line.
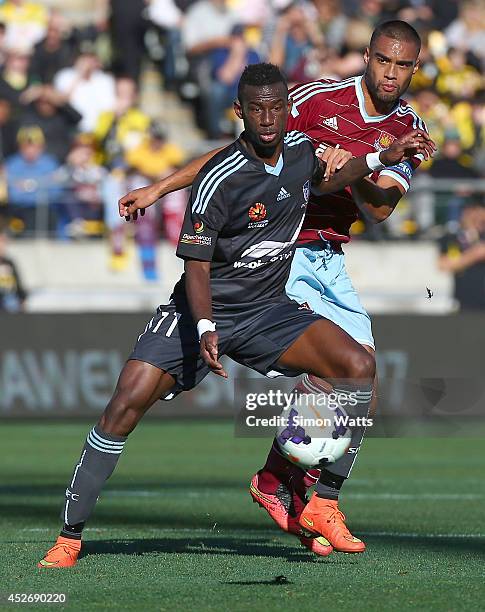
[[215, 185], [212, 176]]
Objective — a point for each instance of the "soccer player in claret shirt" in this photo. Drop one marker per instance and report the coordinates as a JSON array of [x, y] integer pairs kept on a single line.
[[360, 115], [231, 299]]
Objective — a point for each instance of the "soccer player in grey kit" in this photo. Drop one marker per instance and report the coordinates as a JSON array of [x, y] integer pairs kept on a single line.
[[237, 242]]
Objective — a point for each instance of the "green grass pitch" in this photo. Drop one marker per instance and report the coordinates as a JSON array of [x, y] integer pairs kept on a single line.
[[176, 530]]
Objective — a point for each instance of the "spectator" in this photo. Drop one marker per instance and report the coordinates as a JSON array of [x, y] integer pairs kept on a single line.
[[434, 112], [450, 166], [156, 155], [25, 21], [15, 71], [89, 89], [150, 161], [457, 79], [332, 23], [119, 130], [468, 31], [33, 184], [8, 129], [127, 28], [463, 255], [228, 65], [12, 292], [427, 14], [83, 210], [468, 117], [207, 27], [57, 119], [369, 11], [54, 52], [294, 38], [3, 45], [167, 18]]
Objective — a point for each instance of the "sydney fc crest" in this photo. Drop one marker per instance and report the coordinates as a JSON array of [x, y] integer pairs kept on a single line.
[[306, 191]]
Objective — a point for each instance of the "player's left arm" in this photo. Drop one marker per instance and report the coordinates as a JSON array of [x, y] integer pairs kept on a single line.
[[403, 148], [377, 199]]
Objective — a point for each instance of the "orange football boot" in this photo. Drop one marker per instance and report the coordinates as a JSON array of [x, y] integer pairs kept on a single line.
[[64, 553], [285, 507], [322, 517]]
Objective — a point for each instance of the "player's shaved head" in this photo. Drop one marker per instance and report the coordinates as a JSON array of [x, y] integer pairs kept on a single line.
[[398, 30], [259, 75], [391, 59]]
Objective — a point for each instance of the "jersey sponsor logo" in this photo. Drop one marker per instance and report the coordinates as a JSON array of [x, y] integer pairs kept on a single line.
[[199, 227], [266, 248], [330, 122], [252, 265], [257, 212], [384, 141], [257, 224], [306, 191], [198, 240], [71, 495], [283, 194], [270, 250]]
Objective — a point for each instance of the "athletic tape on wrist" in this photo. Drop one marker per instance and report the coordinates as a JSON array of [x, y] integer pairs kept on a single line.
[[374, 162], [205, 325]]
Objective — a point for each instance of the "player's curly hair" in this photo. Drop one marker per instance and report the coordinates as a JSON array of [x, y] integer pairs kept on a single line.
[[399, 30], [260, 74]]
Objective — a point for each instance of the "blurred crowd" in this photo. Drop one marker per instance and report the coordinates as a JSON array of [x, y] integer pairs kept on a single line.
[[74, 137]]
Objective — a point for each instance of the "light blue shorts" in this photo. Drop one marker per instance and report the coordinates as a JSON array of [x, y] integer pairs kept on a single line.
[[318, 277]]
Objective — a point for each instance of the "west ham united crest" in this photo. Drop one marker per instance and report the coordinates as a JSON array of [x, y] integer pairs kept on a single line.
[[306, 191], [384, 141]]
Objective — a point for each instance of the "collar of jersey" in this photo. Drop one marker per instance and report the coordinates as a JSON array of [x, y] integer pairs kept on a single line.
[[274, 170], [360, 97]]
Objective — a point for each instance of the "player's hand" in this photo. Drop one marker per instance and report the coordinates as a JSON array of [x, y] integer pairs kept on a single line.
[[137, 200], [334, 157], [209, 352], [408, 146]]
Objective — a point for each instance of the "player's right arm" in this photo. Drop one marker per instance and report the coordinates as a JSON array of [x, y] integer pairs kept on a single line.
[[414, 143], [197, 288], [205, 216], [139, 199]]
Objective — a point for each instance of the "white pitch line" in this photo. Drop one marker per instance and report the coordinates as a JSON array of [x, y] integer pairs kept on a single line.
[[371, 496], [415, 496], [256, 532], [398, 534]]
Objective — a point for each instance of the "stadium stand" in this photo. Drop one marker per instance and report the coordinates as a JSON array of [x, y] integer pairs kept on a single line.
[[70, 76]]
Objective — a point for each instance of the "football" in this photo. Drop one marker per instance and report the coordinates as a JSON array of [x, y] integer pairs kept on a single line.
[[314, 435]]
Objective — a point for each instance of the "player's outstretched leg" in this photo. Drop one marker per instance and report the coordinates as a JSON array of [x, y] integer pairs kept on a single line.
[[280, 488], [326, 351], [139, 386]]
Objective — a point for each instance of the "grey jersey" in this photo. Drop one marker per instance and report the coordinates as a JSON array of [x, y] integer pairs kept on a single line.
[[244, 217]]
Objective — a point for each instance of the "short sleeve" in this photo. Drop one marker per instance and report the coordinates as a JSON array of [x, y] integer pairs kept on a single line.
[[205, 216], [309, 103], [402, 173], [319, 167]]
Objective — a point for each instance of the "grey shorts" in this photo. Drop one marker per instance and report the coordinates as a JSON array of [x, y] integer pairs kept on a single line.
[[254, 334]]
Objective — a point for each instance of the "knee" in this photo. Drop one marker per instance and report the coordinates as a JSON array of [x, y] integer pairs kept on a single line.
[[122, 413], [361, 365]]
